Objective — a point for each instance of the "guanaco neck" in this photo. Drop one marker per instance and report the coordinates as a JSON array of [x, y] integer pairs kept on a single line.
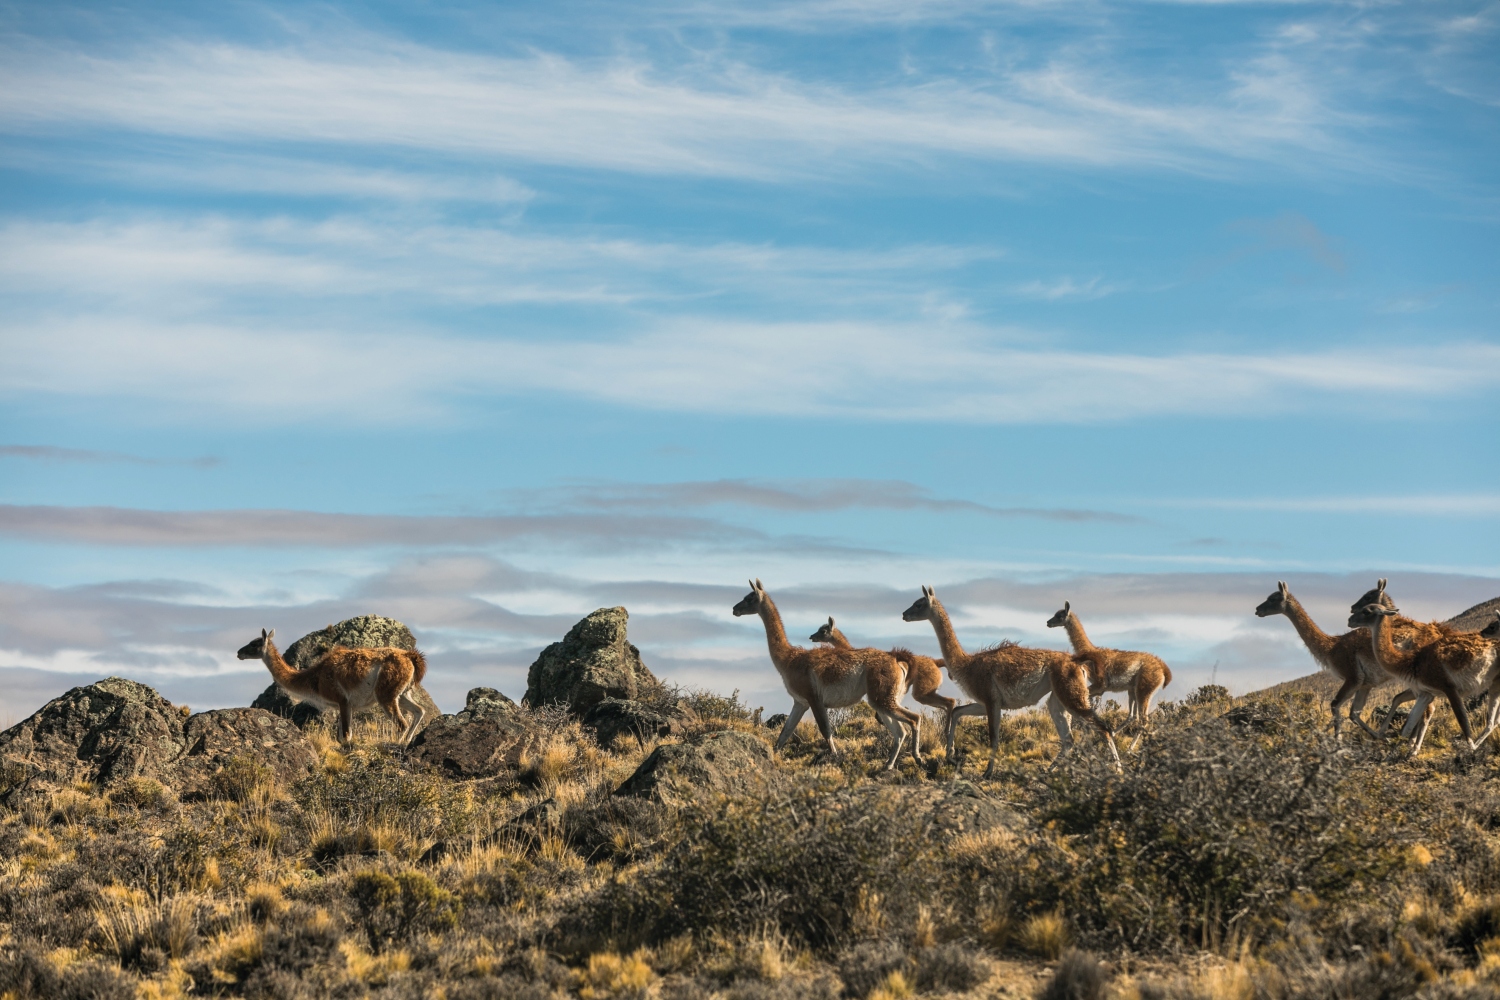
[[1390, 659], [953, 652], [281, 671], [839, 640], [1318, 642], [775, 634], [1076, 635]]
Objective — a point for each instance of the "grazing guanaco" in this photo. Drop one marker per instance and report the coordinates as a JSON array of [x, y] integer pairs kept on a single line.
[[924, 675], [1348, 657], [825, 677], [349, 680], [1457, 666], [1010, 676], [1139, 674]]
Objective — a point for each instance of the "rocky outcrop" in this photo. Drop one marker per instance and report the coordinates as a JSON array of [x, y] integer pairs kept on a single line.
[[593, 661], [105, 733], [111, 731], [215, 738], [613, 718], [486, 738], [363, 632], [726, 761]]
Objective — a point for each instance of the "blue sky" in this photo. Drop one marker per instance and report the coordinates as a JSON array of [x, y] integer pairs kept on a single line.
[[483, 317]]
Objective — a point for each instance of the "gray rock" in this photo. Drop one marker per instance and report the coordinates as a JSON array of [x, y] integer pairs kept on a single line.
[[483, 740], [728, 761], [593, 661], [105, 733], [215, 738], [614, 717], [362, 632]]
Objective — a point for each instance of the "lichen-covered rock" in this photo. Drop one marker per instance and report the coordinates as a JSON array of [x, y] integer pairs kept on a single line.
[[486, 738], [362, 632], [726, 761], [593, 661], [614, 717], [105, 733], [215, 738]]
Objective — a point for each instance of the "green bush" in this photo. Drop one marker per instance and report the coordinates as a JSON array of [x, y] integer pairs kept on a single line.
[[1214, 834], [401, 907]]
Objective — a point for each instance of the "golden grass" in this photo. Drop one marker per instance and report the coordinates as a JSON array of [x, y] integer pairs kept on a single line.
[[1045, 935], [610, 976]]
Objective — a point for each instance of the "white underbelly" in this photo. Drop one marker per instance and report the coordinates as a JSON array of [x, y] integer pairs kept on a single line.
[[843, 692]]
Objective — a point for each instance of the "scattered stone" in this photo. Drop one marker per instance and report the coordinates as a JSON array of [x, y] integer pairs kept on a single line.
[[363, 632], [487, 737], [614, 717], [593, 661], [214, 738], [726, 761], [105, 733], [776, 721]]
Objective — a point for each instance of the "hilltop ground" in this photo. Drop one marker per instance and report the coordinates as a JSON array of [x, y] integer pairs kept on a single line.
[[1242, 853]]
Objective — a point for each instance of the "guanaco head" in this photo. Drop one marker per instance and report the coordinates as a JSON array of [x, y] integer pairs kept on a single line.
[[824, 632], [1061, 618], [256, 648], [1370, 614], [1492, 630], [1276, 604], [921, 609], [753, 601], [1376, 595]]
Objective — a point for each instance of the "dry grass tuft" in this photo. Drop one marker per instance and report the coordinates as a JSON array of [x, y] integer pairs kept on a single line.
[[1045, 935]]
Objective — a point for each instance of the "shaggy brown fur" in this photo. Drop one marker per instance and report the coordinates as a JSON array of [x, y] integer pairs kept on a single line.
[[1141, 675], [1406, 633], [1010, 677], [924, 675], [1348, 657], [826, 677], [349, 680], [1457, 666]]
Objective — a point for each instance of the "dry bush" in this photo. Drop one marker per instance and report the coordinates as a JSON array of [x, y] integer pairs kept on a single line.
[[795, 859]]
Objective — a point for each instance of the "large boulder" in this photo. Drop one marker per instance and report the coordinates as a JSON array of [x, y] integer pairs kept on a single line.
[[593, 661], [615, 717], [362, 632], [483, 740], [215, 738], [726, 761], [105, 733]]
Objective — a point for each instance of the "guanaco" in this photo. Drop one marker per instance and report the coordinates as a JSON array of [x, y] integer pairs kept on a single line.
[[1406, 634], [1457, 666], [1348, 657], [924, 675], [349, 680], [1010, 676], [1139, 674], [825, 677]]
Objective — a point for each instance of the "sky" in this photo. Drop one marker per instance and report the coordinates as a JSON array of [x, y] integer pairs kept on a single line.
[[484, 316]]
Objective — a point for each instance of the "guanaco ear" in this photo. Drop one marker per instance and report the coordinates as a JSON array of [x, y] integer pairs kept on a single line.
[[1067, 606], [759, 586], [270, 635], [830, 621], [264, 635], [1380, 585], [1281, 586]]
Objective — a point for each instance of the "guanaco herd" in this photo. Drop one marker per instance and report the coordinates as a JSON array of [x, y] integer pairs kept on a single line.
[[1433, 660]]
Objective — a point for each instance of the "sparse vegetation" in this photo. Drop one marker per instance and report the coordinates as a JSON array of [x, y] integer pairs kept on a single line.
[[1241, 854]]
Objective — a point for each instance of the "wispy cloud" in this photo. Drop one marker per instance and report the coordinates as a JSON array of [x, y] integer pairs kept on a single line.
[[796, 496], [49, 453], [1066, 288], [309, 529], [849, 370], [1428, 505], [708, 117]]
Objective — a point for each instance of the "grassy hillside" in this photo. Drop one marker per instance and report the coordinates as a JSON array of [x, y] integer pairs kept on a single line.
[[1242, 853]]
